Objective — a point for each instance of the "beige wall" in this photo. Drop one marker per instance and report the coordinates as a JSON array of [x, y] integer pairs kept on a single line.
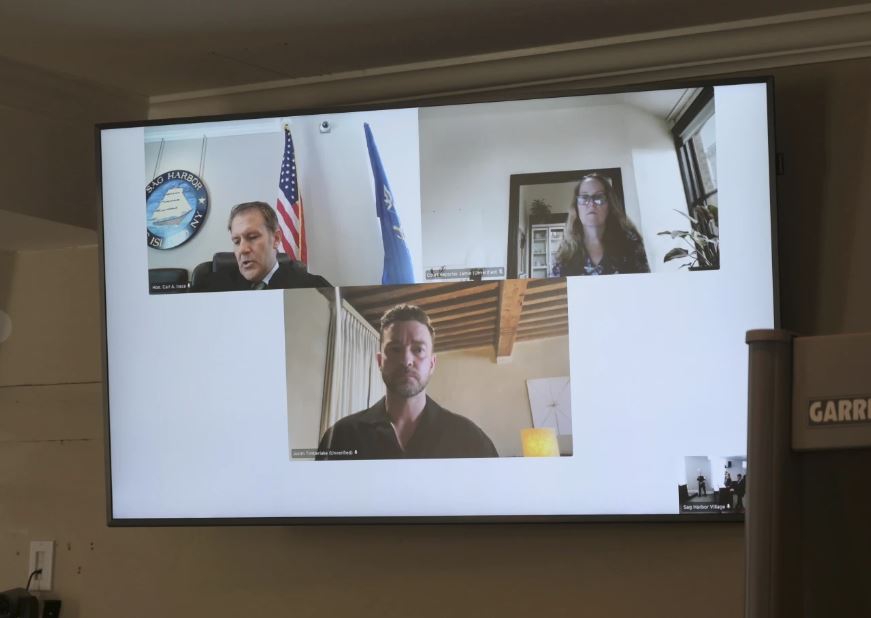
[[54, 304], [824, 132], [47, 142], [7, 264], [51, 449], [494, 396]]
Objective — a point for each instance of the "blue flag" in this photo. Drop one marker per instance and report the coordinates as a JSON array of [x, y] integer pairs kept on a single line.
[[397, 258]]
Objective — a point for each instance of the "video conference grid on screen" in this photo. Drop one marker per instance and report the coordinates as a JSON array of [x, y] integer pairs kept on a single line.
[[511, 308]]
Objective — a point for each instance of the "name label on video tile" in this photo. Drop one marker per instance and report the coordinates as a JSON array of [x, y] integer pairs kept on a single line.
[[466, 273]]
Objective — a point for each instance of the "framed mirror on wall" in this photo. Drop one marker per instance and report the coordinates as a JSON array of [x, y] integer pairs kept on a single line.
[[539, 206]]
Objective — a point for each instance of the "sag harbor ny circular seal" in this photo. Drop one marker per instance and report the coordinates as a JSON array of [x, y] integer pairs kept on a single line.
[[176, 203]]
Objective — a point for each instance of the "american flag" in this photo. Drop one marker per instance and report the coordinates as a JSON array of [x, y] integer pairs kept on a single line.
[[289, 205]]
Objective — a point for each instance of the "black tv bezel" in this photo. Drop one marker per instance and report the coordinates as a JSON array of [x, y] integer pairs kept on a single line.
[[490, 96]]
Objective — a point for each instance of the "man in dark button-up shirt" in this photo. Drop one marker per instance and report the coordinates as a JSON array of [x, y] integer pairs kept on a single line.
[[405, 423]]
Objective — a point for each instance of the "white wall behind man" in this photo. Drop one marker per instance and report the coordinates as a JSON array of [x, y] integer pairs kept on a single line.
[[468, 154], [718, 472], [335, 178], [695, 465], [338, 191], [719, 469]]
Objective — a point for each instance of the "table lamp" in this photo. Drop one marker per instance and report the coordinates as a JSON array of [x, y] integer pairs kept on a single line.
[[539, 442]]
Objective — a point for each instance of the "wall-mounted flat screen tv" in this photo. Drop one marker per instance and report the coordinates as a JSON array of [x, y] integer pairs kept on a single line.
[[520, 309]]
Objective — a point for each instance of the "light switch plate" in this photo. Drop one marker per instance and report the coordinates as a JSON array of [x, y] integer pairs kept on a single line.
[[41, 557]]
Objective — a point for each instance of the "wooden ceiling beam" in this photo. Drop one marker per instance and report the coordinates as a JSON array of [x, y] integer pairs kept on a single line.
[[477, 337], [555, 321], [487, 300], [511, 293], [453, 339], [546, 300], [539, 309], [441, 310], [466, 317], [433, 306], [465, 343], [538, 286], [465, 332], [488, 323], [562, 328], [558, 315], [526, 338], [367, 300]]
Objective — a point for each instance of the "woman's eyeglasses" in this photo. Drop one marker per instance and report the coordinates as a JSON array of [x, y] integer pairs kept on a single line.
[[597, 199]]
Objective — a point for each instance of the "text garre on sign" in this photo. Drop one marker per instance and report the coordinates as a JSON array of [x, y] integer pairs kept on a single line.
[[839, 411]]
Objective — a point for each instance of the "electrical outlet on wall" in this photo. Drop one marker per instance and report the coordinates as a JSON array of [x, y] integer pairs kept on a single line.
[[41, 557]]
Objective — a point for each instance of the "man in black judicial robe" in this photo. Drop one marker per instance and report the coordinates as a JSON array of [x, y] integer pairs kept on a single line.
[[406, 423], [256, 238]]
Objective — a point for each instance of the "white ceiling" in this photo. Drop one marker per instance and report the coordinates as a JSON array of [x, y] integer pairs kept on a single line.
[[660, 103], [166, 46]]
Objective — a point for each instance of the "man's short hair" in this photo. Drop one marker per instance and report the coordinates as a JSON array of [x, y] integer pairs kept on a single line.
[[406, 313], [269, 216]]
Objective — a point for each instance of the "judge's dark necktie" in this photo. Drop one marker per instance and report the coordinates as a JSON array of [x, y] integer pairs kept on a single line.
[[260, 285]]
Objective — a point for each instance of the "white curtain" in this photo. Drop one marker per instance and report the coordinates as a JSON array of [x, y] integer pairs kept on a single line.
[[353, 381]]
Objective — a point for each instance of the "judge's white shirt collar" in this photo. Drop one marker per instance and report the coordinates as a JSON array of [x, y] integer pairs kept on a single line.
[[271, 272]]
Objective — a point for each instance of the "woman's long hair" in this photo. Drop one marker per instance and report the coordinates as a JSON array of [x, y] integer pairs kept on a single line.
[[620, 235]]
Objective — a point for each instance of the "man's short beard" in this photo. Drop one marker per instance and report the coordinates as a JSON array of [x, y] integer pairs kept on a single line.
[[405, 388]]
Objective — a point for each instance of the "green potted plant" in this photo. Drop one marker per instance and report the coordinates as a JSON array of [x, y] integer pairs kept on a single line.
[[702, 239], [539, 208]]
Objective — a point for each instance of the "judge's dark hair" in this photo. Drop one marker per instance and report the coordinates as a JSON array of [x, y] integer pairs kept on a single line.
[[269, 216], [620, 235], [406, 313]]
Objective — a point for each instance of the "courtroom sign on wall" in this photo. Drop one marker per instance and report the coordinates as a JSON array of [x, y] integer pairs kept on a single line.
[[831, 399]]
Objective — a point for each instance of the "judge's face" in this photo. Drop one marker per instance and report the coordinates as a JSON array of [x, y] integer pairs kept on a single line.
[[255, 246], [592, 203], [406, 358]]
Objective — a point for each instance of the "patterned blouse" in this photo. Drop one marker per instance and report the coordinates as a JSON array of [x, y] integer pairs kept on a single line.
[[633, 261]]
